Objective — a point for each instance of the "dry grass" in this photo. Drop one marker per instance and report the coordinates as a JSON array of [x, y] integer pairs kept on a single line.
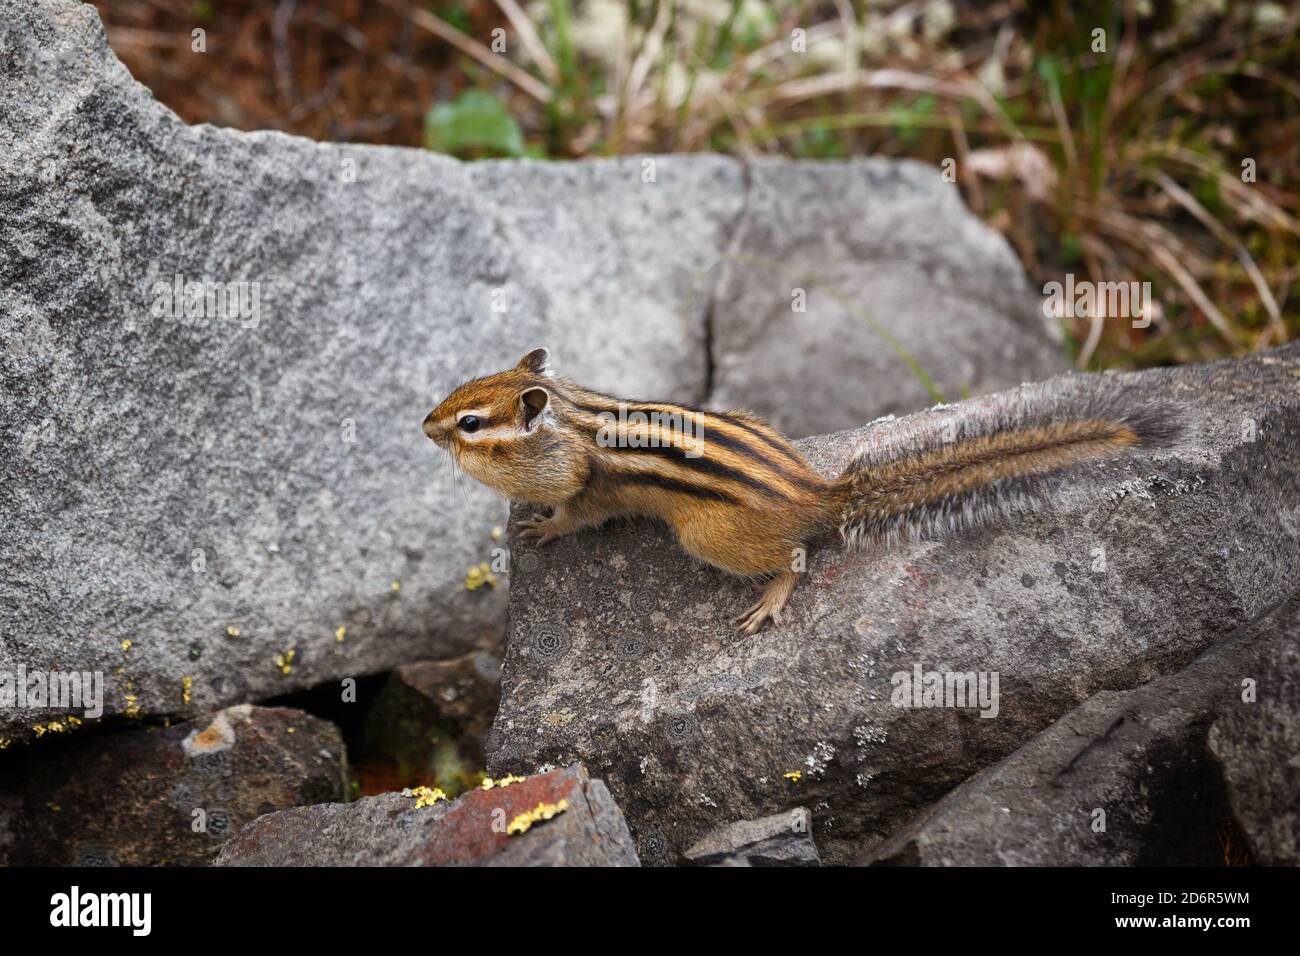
[[1120, 162], [1115, 164]]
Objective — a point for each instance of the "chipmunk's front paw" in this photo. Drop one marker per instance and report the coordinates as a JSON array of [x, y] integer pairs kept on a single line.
[[544, 529]]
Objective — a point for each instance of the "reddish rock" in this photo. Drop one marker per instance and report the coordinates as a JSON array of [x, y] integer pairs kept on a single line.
[[391, 830]]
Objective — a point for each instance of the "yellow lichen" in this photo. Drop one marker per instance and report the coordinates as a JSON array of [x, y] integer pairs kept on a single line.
[[232, 632], [187, 686], [794, 776], [54, 806], [132, 708], [5, 742], [478, 576], [426, 796], [488, 783], [543, 811], [56, 726], [285, 661], [126, 646], [395, 586], [338, 635], [497, 533]]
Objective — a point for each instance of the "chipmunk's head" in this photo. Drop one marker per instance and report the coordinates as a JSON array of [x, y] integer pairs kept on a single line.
[[499, 429]]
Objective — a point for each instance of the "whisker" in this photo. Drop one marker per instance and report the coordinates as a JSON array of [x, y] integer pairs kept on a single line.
[[457, 489]]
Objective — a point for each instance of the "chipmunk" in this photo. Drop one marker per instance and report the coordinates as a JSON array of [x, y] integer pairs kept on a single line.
[[737, 493]]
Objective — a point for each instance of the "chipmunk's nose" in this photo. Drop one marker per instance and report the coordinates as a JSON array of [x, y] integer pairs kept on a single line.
[[431, 426]]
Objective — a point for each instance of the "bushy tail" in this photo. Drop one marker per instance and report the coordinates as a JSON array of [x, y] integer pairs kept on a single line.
[[995, 462]]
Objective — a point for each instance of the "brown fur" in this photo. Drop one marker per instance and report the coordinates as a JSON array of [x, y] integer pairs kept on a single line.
[[736, 493]]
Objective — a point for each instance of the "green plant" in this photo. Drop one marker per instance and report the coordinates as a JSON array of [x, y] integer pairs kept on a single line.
[[474, 124]]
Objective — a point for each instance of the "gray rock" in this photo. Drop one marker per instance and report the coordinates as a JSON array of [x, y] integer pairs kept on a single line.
[[177, 479], [1125, 780], [162, 796], [783, 839], [620, 653], [172, 478], [1257, 748], [892, 269], [587, 829]]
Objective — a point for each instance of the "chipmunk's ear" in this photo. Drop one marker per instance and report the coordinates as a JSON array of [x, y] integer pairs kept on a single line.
[[538, 361], [536, 404]]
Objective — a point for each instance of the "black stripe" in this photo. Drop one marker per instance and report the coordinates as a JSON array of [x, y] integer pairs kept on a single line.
[[759, 434], [633, 403], [749, 451], [712, 467], [595, 474], [722, 438], [671, 484]]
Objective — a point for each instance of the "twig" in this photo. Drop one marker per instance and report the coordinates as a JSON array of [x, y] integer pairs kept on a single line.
[[283, 58], [1165, 259], [531, 41], [649, 52], [499, 64], [1188, 202]]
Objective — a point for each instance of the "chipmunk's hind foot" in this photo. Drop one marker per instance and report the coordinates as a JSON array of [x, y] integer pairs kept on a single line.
[[776, 594]]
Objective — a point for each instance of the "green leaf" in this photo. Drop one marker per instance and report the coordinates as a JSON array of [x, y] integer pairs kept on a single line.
[[819, 143], [457, 16], [1071, 249], [1048, 71], [474, 124]]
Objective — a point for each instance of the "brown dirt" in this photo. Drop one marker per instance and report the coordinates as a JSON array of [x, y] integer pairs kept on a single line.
[[342, 70]]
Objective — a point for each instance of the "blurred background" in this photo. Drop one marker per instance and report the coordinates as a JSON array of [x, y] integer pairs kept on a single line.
[[1117, 141]]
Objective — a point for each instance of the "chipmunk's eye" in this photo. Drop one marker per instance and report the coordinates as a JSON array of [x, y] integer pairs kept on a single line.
[[469, 423]]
